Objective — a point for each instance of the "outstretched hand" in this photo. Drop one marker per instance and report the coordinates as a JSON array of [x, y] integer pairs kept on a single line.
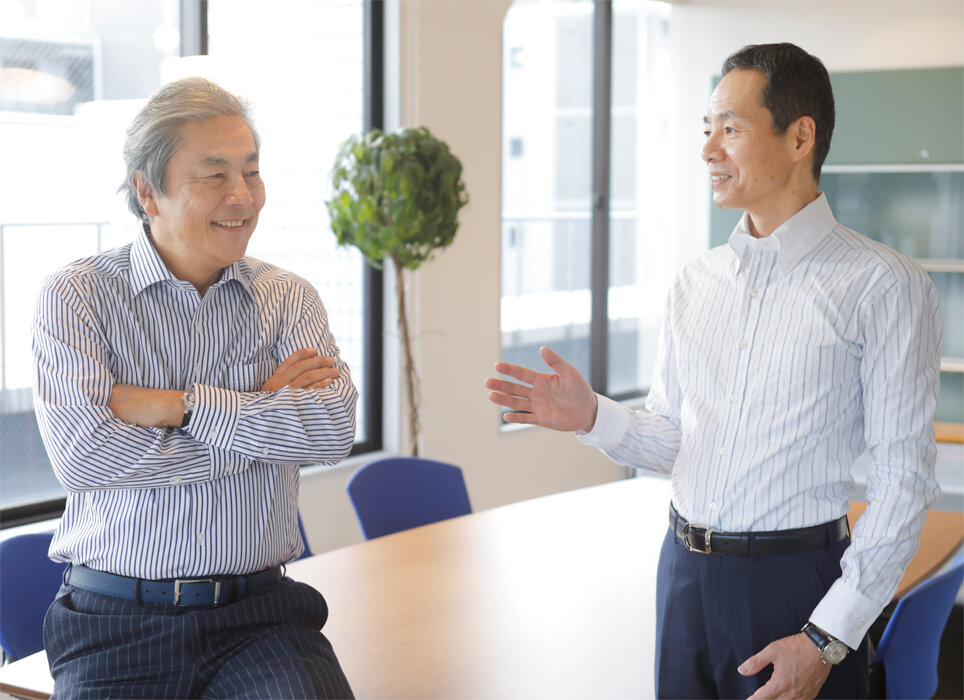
[[562, 400]]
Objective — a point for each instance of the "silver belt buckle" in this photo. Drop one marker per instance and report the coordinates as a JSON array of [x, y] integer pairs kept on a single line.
[[178, 582], [707, 537]]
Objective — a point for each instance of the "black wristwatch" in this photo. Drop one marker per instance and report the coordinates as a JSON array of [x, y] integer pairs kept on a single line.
[[187, 398], [832, 650]]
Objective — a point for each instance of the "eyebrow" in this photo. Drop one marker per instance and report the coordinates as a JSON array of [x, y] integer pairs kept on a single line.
[[218, 160], [726, 114]]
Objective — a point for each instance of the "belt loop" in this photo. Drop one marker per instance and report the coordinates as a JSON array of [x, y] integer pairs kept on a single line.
[[751, 546], [64, 576]]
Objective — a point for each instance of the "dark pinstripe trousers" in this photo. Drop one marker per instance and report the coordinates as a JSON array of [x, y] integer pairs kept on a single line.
[[713, 612], [267, 645]]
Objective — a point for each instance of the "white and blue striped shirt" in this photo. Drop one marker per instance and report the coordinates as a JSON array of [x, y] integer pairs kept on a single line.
[[781, 360], [220, 496]]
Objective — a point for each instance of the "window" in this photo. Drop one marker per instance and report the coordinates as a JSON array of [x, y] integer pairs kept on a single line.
[[549, 291], [74, 72]]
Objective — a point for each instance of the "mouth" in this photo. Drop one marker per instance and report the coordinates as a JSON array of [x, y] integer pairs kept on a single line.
[[718, 179], [230, 223]]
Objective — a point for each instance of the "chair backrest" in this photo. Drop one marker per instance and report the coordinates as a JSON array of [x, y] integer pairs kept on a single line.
[[29, 582], [398, 493], [910, 644]]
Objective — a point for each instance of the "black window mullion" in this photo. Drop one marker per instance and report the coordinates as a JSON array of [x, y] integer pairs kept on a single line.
[[601, 141], [194, 27], [373, 117]]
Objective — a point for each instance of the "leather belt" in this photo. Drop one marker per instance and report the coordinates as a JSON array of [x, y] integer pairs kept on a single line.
[[697, 538], [192, 592]]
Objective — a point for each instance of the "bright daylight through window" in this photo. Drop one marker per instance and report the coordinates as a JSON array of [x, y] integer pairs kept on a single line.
[[547, 186], [72, 75]]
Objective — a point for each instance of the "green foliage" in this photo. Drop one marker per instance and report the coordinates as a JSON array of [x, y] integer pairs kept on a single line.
[[396, 196]]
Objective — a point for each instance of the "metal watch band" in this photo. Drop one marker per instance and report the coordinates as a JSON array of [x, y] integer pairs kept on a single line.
[[188, 399]]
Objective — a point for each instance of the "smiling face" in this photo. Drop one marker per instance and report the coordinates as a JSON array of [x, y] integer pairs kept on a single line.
[[213, 196], [751, 166]]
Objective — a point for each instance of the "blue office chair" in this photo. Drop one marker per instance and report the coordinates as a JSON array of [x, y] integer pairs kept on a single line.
[[304, 538], [29, 582], [910, 644], [398, 493]]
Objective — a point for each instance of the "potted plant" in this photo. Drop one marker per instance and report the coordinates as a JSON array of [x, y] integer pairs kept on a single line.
[[397, 197]]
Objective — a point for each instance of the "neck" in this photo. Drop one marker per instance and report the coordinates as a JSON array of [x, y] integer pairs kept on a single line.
[[766, 220]]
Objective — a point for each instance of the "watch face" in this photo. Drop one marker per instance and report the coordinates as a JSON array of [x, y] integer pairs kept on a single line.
[[834, 652]]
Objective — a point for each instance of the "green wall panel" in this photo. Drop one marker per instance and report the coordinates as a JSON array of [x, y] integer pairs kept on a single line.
[[892, 117]]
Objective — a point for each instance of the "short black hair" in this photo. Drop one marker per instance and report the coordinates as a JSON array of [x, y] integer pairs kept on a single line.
[[798, 85]]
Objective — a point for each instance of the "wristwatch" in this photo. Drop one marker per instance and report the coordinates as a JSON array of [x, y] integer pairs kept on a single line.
[[187, 398], [832, 650]]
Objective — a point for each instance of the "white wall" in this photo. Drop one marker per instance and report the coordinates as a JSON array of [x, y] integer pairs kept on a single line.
[[450, 79]]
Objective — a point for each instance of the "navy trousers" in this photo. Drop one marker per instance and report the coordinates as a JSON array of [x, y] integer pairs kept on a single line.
[[267, 645], [713, 612]]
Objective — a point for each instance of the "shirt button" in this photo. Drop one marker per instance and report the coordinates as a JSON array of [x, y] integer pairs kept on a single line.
[[754, 292], [733, 398], [722, 450], [197, 367], [197, 327], [744, 345], [176, 480], [713, 506], [265, 451]]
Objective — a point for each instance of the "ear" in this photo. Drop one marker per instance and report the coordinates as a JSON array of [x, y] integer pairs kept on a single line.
[[145, 195], [803, 137]]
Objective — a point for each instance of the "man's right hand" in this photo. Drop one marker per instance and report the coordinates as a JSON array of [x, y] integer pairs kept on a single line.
[[303, 369], [562, 400]]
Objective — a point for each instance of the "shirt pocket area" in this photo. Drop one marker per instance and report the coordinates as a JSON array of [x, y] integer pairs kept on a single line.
[[248, 377]]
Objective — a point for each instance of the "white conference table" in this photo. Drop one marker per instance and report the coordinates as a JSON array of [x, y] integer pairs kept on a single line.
[[549, 598]]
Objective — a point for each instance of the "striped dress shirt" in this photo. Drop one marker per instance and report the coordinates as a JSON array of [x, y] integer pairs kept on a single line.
[[219, 496], [781, 360]]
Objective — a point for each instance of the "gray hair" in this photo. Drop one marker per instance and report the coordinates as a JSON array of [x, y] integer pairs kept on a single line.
[[155, 134]]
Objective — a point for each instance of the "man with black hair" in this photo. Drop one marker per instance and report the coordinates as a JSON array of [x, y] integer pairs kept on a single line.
[[784, 355]]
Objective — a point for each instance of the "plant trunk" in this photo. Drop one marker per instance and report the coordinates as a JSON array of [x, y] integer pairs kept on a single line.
[[414, 398]]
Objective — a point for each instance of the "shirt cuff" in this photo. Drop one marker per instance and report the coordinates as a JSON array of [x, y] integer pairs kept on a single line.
[[216, 415], [845, 613], [612, 422]]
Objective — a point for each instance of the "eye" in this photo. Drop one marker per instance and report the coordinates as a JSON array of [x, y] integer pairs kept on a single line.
[[729, 130], [253, 173], [215, 176]]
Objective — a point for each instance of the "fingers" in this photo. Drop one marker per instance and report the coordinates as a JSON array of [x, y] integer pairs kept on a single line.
[[523, 374], [513, 403], [508, 388], [521, 418], [754, 664], [553, 359], [303, 369]]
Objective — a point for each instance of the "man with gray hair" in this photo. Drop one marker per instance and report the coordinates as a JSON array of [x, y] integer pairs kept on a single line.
[[179, 387]]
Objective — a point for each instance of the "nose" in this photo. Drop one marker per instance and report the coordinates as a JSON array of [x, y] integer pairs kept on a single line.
[[239, 195], [711, 148]]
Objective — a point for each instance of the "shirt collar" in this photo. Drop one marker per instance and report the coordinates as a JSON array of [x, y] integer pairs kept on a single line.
[[793, 239], [147, 268]]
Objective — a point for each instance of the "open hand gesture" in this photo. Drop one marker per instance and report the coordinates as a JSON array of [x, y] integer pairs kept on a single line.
[[562, 400]]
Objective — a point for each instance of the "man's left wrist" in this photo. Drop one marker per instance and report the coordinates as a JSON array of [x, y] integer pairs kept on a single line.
[[188, 401], [832, 650]]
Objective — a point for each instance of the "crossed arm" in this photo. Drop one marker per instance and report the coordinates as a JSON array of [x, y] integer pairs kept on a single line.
[[163, 408]]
